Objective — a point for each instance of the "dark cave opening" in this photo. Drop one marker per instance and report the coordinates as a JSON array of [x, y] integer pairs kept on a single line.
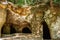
[[12, 30], [2, 30], [5, 30], [8, 29], [26, 30], [46, 32]]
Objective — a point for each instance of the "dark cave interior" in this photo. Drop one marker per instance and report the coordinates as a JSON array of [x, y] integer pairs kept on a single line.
[[46, 32], [26, 30], [13, 30]]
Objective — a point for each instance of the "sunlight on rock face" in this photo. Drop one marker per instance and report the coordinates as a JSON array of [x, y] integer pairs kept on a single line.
[[2, 18], [25, 15], [56, 27], [53, 20]]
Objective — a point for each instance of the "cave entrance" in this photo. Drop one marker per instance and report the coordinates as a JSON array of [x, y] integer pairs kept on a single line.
[[8, 29], [12, 29], [46, 31], [26, 30]]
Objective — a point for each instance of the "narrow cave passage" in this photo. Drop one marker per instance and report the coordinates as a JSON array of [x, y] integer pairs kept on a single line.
[[13, 30], [26, 30], [5, 29], [8, 29], [46, 32]]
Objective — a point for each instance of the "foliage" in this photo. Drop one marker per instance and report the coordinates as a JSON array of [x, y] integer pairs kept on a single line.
[[57, 1], [30, 2], [25, 2], [11, 1]]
